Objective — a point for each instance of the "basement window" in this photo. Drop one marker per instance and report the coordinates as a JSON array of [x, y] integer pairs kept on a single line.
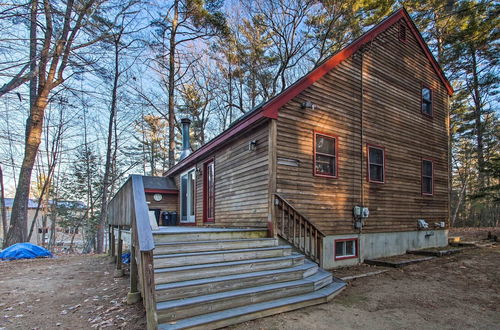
[[426, 101], [325, 155], [346, 248], [376, 164], [427, 177]]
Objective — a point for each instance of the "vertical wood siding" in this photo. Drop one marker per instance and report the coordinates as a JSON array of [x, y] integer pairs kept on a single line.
[[393, 75]]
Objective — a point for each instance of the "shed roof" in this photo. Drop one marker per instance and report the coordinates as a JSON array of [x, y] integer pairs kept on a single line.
[[270, 108], [158, 183]]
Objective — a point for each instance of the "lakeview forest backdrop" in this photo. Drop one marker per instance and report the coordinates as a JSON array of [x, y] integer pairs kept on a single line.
[[93, 90]]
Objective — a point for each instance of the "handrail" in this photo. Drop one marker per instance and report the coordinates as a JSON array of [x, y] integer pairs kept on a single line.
[[129, 208], [297, 230], [140, 207]]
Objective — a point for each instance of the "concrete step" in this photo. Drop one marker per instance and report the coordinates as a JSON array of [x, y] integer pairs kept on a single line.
[[187, 289], [248, 312], [205, 234], [186, 273], [177, 309], [213, 245], [198, 258]]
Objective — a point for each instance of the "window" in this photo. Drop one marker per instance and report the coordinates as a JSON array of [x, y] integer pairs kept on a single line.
[[346, 248], [208, 191], [402, 32], [426, 101], [427, 177], [325, 155], [376, 164]]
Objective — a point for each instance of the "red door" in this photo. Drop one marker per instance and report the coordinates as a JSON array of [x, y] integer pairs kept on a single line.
[[209, 191]]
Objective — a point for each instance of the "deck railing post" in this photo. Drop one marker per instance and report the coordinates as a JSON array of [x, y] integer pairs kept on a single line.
[[112, 243], [134, 295], [149, 289], [119, 266], [110, 250]]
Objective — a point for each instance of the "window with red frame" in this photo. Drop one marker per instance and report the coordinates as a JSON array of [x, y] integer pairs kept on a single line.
[[346, 248], [209, 192], [376, 164], [426, 101], [325, 155], [427, 177]]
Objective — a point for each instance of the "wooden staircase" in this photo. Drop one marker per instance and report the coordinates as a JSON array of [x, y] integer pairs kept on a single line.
[[209, 278]]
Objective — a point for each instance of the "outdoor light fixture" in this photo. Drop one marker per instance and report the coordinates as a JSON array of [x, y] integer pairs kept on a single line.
[[308, 105], [252, 145]]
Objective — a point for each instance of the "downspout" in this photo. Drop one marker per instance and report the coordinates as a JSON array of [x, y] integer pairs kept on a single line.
[[361, 151]]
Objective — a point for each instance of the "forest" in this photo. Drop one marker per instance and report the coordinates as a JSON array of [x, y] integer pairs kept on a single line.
[[94, 90]]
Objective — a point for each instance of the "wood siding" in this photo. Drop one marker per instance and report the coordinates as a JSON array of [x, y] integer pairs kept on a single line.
[[393, 73], [241, 182], [169, 202]]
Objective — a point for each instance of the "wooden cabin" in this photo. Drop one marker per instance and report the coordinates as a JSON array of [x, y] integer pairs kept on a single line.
[[350, 162], [368, 128]]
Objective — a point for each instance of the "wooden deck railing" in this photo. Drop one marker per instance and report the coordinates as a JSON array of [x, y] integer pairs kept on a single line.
[[295, 228], [128, 209]]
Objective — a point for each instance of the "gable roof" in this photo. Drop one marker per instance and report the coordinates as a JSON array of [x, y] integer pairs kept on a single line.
[[270, 109]]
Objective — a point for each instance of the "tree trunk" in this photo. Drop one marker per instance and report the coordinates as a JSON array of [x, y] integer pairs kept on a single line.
[[171, 87], [3, 212], [33, 44], [478, 125], [18, 222], [107, 168]]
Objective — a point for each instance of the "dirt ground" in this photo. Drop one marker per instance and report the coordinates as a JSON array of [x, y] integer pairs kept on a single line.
[[460, 291], [66, 292]]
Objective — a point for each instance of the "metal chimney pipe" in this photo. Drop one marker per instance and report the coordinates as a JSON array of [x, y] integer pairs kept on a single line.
[[186, 145]]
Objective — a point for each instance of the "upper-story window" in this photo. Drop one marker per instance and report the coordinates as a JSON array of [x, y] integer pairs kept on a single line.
[[427, 177], [426, 101], [376, 164], [325, 155]]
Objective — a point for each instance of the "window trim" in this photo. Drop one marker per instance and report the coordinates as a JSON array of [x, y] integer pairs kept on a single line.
[[422, 176], [356, 247], [422, 86], [368, 177], [402, 26], [206, 219], [333, 136]]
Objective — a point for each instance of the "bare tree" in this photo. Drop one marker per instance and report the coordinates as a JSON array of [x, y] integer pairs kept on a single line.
[[60, 33], [3, 212]]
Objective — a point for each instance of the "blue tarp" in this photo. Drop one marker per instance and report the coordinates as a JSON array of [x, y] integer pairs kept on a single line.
[[24, 251], [126, 258]]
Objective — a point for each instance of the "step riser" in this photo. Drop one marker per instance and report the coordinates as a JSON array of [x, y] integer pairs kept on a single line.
[[221, 286], [198, 309], [214, 246], [219, 257], [186, 275], [207, 236], [272, 311]]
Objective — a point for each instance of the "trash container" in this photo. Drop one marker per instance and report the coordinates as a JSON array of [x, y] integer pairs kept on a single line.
[[173, 218], [164, 218]]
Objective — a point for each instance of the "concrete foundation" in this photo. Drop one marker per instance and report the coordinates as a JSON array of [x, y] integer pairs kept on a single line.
[[118, 273], [133, 297], [377, 245]]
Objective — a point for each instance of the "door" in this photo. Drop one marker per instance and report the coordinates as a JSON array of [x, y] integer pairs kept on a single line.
[[188, 180], [208, 191]]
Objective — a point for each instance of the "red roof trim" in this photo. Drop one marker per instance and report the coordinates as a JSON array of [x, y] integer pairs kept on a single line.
[[272, 107], [161, 191]]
